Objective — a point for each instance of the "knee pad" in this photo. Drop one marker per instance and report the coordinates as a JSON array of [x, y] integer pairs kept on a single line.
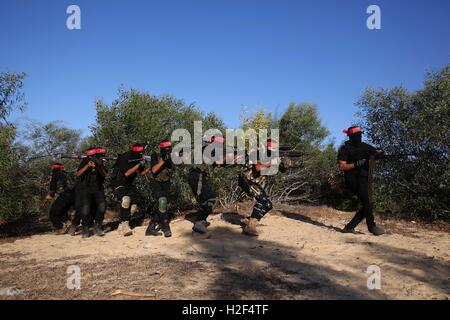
[[162, 204], [134, 209], [126, 202]]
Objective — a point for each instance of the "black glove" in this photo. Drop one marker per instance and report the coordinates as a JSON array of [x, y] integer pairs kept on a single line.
[[360, 163], [96, 161], [165, 156]]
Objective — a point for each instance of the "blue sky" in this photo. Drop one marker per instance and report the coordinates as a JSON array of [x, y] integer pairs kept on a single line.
[[220, 54]]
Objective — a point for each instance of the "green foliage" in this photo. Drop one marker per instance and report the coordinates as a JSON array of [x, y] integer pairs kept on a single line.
[[11, 94], [24, 169], [412, 123], [301, 128]]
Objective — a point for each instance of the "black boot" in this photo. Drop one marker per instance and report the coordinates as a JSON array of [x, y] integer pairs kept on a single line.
[[200, 226], [98, 230], [376, 231], [85, 232], [72, 230], [349, 229], [166, 230], [153, 229]]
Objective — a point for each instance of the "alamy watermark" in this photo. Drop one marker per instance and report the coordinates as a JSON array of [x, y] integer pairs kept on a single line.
[[73, 21], [73, 281], [374, 20], [374, 278]]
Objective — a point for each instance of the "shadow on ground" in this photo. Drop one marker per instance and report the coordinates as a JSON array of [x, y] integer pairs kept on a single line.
[[249, 268], [306, 219]]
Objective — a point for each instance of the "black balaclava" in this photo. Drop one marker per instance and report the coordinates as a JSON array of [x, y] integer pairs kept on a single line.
[[354, 135], [355, 139], [165, 148]]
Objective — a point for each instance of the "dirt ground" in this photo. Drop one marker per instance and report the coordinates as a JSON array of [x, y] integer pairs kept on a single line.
[[300, 254]]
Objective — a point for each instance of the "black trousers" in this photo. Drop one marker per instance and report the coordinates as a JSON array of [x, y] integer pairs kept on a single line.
[[60, 207], [91, 205], [263, 204], [203, 192], [127, 191], [359, 186]]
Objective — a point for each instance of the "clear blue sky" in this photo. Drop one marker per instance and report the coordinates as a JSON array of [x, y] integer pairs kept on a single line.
[[220, 54]]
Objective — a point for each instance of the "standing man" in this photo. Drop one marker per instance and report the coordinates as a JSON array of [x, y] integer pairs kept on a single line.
[[198, 179], [128, 166], [353, 159], [253, 183], [162, 169], [62, 188], [90, 191]]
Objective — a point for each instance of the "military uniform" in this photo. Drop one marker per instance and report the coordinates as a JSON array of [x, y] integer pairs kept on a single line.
[[124, 188], [199, 181], [356, 180], [358, 153], [90, 194], [253, 184], [61, 186], [161, 189]]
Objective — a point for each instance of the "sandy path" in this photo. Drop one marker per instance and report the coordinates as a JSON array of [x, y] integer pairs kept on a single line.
[[300, 254]]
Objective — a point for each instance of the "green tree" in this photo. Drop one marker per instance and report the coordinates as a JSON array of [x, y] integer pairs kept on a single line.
[[11, 99], [11, 94], [300, 127]]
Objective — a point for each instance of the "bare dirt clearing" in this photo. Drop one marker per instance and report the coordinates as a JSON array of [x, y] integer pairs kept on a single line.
[[300, 254]]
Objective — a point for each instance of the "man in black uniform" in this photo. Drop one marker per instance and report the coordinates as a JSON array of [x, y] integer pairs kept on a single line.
[[62, 188], [162, 169], [126, 169], [353, 159], [253, 183], [89, 191], [198, 180]]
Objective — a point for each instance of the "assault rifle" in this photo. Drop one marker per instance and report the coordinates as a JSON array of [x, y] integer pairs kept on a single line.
[[287, 152], [144, 157], [80, 156]]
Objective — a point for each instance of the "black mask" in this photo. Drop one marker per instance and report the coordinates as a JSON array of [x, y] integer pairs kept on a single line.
[[136, 155], [355, 139], [166, 151]]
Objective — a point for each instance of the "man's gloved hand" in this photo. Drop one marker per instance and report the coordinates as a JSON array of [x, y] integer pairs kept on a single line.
[[97, 161], [360, 163], [143, 163], [165, 156]]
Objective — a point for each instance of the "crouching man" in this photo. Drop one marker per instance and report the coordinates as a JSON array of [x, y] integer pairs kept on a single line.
[[61, 187]]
